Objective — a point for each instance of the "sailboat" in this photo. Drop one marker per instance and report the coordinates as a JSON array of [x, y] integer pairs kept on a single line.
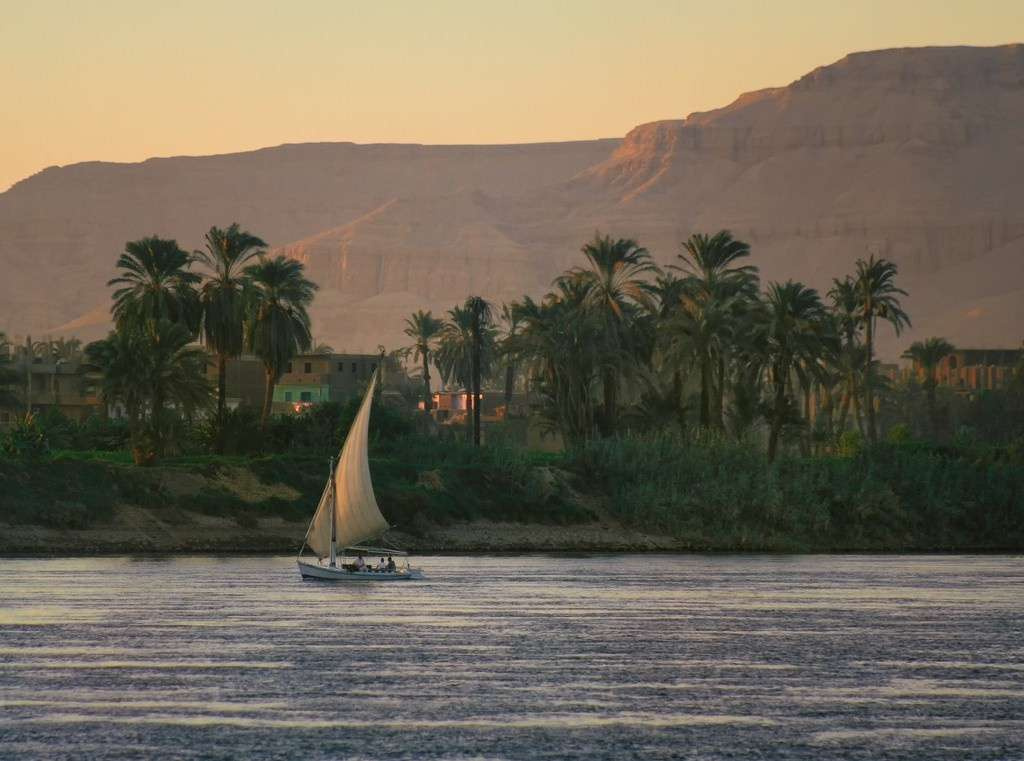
[[348, 515]]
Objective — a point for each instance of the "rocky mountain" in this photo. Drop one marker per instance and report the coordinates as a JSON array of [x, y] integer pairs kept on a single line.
[[912, 154]]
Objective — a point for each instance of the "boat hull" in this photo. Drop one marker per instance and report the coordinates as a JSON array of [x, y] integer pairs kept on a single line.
[[326, 573]]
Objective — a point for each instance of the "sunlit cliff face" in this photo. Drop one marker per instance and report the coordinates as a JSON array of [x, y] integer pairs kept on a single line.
[[910, 154]]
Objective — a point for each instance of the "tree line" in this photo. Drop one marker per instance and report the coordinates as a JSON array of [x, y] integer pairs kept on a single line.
[[618, 344], [231, 295], [701, 338]]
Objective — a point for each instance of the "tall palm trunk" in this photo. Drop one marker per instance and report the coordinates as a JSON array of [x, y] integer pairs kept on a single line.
[[933, 421], [677, 397], [858, 413], [827, 410], [719, 399], [510, 378], [776, 427], [222, 397], [428, 402], [869, 391], [705, 392], [805, 438], [476, 388], [156, 416], [610, 387], [268, 395], [844, 410]]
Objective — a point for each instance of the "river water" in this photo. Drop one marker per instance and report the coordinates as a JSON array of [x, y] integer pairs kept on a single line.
[[527, 657]]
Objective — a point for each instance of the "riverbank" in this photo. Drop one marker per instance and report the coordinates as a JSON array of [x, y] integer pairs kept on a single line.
[[135, 530], [624, 495]]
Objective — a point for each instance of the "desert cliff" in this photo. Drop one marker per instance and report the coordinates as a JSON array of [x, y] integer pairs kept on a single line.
[[913, 154]]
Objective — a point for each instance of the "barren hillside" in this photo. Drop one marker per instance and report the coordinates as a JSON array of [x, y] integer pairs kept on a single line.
[[913, 154]]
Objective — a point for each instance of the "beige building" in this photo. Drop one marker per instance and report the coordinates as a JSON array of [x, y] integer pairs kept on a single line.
[[967, 370], [63, 385]]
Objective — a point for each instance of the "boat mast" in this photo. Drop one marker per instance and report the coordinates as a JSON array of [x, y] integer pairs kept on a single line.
[[334, 520]]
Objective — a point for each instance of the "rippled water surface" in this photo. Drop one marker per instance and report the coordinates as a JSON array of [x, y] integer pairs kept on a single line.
[[604, 657]]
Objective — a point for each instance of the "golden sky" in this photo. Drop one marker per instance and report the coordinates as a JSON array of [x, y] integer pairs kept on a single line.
[[123, 80]]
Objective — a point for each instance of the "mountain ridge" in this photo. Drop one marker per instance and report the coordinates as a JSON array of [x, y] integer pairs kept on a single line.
[[909, 153]]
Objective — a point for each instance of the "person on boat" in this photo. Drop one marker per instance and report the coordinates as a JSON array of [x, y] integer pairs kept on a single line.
[[360, 563], [391, 564], [382, 564]]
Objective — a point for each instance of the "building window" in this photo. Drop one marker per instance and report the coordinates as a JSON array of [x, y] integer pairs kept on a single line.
[[289, 368], [353, 367], [5, 417], [307, 396], [287, 396], [341, 367], [373, 366], [308, 368]]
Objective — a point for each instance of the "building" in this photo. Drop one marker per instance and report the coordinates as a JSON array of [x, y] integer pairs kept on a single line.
[[967, 370], [890, 371], [245, 381], [70, 387], [62, 385], [454, 405], [313, 378]]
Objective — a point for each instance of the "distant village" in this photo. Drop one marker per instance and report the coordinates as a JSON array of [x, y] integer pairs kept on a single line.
[[56, 377]]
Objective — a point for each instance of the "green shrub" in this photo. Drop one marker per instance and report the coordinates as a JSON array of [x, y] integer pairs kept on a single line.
[[715, 493], [26, 440]]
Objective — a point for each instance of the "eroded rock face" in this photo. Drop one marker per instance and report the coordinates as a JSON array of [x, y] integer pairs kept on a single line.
[[912, 154]]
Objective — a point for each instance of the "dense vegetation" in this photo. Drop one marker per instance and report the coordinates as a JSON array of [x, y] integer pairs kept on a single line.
[[621, 345], [692, 401], [707, 490], [715, 493]]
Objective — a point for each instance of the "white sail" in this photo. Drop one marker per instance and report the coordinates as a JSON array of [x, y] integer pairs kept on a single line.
[[357, 518]]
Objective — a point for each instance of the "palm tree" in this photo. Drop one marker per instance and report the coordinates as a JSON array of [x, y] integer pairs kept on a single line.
[[175, 375], [559, 345], [510, 318], [878, 297], [791, 337], [423, 328], [278, 323], [150, 371], [850, 361], [717, 291], [466, 351], [615, 284], [482, 316], [155, 284], [454, 353], [118, 361], [670, 291], [222, 301], [693, 334], [927, 355]]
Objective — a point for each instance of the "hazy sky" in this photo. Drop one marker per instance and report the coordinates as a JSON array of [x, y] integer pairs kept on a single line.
[[124, 80]]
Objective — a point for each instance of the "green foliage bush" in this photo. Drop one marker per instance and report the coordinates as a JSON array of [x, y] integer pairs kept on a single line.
[[320, 428], [706, 489], [719, 494], [26, 440]]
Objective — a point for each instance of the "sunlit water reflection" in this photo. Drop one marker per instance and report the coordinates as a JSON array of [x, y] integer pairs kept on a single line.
[[605, 657]]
